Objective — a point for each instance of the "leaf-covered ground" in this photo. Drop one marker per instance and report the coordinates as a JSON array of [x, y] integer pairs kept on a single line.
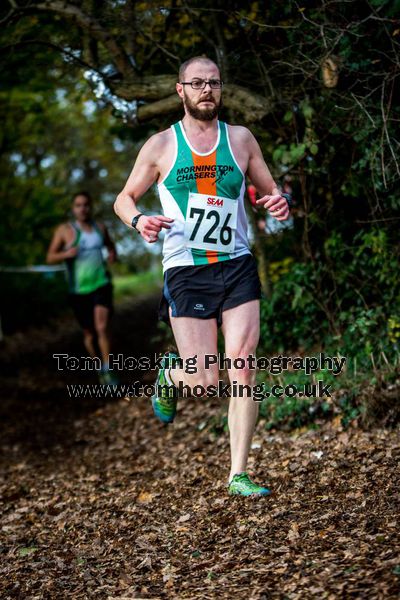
[[99, 500]]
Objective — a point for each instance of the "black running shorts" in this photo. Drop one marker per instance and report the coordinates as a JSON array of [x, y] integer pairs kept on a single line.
[[83, 304], [205, 291]]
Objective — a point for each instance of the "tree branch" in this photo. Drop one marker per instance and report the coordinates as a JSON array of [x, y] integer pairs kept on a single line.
[[251, 107], [151, 87], [158, 88], [70, 55], [93, 27], [162, 107]]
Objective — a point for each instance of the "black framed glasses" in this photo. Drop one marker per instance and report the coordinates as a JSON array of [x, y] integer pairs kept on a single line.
[[200, 84]]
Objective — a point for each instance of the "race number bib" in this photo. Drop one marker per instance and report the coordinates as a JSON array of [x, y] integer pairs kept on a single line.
[[211, 223]]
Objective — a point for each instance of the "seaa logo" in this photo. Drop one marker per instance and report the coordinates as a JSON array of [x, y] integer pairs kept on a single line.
[[215, 202]]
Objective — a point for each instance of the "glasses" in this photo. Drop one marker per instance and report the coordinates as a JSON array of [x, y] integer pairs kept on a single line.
[[200, 84]]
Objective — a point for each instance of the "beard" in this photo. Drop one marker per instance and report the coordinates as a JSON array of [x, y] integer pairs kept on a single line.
[[202, 114]]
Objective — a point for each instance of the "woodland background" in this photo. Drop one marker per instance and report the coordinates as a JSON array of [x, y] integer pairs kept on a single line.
[[97, 498], [85, 83]]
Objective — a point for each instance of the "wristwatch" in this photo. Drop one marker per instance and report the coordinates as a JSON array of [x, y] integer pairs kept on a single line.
[[135, 221], [288, 198]]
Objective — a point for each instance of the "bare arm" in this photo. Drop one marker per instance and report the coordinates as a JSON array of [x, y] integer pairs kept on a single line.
[[55, 254], [144, 173], [261, 177], [109, 244]]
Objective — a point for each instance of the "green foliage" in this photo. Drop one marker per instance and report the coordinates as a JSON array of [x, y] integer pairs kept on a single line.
[[290, 317], [292, 413], [348, 301], [128, 286], [27, 551], [55, 141]]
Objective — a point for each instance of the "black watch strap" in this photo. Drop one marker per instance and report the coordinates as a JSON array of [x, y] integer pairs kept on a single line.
[[135, 220], [288, 198]]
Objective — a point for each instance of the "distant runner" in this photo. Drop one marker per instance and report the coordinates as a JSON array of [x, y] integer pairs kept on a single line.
[[80, 243], [210, 276]]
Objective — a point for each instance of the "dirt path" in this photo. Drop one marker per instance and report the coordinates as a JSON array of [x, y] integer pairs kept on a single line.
[[99, 500]]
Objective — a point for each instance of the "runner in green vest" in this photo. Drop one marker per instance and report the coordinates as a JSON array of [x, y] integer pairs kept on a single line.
[[80, 244], [210, 276]]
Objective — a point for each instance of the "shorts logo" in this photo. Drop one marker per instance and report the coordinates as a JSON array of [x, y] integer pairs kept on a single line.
[[198, 307], [215, 202]]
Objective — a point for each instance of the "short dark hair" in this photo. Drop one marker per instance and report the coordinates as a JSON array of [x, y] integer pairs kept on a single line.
[[188, 62], [83, 193]]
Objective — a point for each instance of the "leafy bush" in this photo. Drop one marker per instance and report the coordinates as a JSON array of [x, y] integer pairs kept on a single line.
[[347, 303]]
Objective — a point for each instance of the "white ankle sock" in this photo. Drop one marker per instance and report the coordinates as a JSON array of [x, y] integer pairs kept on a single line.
[[168, 377]]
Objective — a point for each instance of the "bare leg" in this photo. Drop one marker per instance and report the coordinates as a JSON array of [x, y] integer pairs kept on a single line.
[[241, 329], [101, 323], [195, 337], [88, 340]]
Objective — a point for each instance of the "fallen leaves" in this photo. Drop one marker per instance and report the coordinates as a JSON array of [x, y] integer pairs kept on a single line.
[[184, 518], [27, 551], [116, 506], [293, 534], [144, 498]]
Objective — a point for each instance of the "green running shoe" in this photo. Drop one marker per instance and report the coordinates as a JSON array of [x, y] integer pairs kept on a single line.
[[165, 398], [108, 378], [242, 485]]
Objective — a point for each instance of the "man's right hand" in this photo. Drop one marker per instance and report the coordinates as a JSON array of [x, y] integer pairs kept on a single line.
[[150, 227]]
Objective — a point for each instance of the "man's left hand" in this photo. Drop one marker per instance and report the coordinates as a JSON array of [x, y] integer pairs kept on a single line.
[[112, 256], [276, 205]]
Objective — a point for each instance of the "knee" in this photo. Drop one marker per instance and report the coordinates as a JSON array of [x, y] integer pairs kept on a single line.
[[244, 375], [243, 367], [101, 329], [204, 377]]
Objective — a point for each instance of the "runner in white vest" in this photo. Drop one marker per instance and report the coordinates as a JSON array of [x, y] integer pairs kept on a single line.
[[210, 276], [80, 244]]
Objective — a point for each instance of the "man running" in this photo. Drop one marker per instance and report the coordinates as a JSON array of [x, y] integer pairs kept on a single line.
[[80, 244], [210, 276]]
